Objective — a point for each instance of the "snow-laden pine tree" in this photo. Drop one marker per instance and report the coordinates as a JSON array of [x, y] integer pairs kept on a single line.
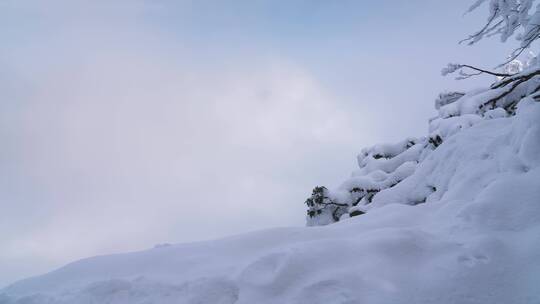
[[384, 166]]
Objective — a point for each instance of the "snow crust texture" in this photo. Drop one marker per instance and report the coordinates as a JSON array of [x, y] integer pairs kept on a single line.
[[474, 238]]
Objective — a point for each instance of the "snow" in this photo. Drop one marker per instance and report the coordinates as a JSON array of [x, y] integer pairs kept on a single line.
[[462, 226], [505, 18], [384, 166], [450, 68]]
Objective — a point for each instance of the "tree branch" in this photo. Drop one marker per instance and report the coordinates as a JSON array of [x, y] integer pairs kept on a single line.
[[486, 71], [514, 82]]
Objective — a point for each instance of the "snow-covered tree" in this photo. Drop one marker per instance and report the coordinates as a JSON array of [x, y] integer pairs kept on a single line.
[[385, 166], [380, 167], [519, 76], [509, 18], [506, 18], [322, 209]]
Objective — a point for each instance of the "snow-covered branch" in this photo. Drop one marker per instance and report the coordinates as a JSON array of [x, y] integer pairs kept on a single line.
[[507, 18], [453, 67]]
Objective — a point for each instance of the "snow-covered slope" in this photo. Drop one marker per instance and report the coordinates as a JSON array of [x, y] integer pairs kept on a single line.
[[476, 239]]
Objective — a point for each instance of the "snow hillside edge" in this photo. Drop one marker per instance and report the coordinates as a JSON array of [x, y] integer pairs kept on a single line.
[[457, 221]]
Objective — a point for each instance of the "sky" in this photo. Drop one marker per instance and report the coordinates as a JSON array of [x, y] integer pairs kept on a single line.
[[126, 124]]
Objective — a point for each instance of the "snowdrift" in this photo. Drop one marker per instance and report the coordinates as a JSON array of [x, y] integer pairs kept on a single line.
[[474, 239]]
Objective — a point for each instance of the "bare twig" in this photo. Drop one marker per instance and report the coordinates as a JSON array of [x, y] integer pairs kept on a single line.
[[486, 71]]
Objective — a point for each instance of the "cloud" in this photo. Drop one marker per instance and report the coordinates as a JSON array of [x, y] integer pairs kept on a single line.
[[126, 146]]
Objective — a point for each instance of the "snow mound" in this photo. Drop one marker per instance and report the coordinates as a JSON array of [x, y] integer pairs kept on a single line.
[[462, 226]]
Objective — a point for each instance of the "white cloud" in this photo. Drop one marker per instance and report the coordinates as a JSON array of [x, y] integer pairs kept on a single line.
[[125, 149]]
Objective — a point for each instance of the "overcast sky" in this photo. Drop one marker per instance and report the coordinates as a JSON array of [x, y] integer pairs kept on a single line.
[[125, 124]]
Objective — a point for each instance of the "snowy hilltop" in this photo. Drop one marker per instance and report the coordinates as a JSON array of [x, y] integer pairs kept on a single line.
[[450, 217]]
